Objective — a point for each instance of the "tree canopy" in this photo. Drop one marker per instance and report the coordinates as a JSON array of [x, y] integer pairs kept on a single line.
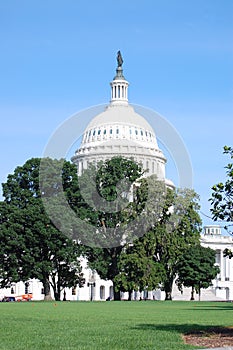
[[33, 246], [196, 268], [222, 194]]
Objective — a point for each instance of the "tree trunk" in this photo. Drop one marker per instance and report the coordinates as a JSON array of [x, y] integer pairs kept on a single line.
[[46, 286], [199, 292], [115, 270], [117, 294], [168, 289], [130, 295], [192, 293]]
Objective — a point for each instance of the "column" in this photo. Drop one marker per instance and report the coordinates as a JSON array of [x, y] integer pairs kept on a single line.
[[222, 269]]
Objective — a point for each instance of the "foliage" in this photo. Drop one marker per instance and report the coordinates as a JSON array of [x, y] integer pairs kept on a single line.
[[222, 198], [138, 270], [44, 252], [178, 228], [196, 268], [113, 212], [222, 195]]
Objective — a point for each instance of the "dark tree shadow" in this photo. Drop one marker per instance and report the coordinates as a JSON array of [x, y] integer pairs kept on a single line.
[[212, 307], [186, 328]]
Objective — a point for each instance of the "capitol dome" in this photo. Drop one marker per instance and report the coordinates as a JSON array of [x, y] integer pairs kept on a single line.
[[120, 131]]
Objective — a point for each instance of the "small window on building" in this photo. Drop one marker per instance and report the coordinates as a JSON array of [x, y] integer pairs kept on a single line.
[[99, 132], [110, 131], [141, 132], [111, 292], [117, 131], [42, 290], [12, 290], [136, 132], [105, 131], [93, 133], [73, 291], [102, 292]]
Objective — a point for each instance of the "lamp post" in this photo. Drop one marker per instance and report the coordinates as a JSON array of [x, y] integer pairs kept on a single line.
[[91, 284]]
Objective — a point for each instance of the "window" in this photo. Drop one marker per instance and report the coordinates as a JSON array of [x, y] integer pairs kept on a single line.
[[102, 292], [136, 132], [99, 132], [111, 292], [104, 131], [73, 291], [110, 131], [117, 131], [93, 133]]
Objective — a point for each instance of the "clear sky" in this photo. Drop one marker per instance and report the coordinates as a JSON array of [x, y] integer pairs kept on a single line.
[[58, 57]]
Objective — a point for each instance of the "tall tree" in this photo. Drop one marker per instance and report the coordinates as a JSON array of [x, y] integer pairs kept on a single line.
[[111, 211], [138, 271], [196, 269], [178, 227], [46, 253]]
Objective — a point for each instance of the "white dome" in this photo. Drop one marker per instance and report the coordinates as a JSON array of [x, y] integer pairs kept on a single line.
[[120, 115], [120, 131], [119, 122]]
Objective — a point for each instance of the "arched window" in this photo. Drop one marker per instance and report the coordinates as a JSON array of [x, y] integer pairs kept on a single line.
[[102, 292], [111, 294]]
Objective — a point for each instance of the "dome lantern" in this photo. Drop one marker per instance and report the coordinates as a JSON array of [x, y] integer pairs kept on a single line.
[[119, 85]]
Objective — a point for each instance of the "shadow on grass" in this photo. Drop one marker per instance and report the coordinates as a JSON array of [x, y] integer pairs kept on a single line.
[[199, 330], [213, 307]]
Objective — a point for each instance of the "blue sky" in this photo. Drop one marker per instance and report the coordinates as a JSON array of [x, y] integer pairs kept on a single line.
[[58, 57]]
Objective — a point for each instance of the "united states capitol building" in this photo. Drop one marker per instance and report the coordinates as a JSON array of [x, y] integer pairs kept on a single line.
[[119, 130]]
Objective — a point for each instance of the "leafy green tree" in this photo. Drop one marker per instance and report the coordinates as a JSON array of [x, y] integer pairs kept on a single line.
[[222, 198], [111, 209], [138, 270], [13, 251], [196, 269], [179, 227], [222, 195], [44, 252]]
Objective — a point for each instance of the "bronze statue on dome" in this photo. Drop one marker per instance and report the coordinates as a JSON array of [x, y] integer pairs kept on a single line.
[[119, 59]]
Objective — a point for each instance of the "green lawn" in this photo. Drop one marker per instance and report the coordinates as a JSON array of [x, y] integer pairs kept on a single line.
[[106, 325]]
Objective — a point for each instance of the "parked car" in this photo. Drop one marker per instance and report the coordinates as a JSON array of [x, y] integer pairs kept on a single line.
[[8, 299]]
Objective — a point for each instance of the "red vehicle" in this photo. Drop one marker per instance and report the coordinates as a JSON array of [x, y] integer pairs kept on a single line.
[[24, 297]]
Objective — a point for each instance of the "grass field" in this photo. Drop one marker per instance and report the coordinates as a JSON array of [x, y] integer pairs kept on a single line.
[[106, 325]]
